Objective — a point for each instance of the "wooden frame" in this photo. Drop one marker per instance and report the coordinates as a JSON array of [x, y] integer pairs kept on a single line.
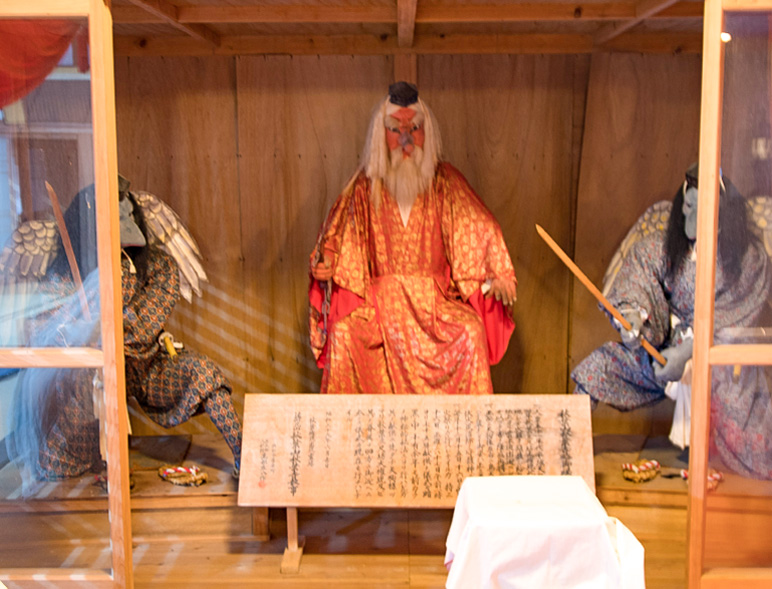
[[110, 357], [705, 354], [105, 161]]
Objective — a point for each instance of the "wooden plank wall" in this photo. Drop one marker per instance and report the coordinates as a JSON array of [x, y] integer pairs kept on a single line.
[[507, 124], [251, 151], [641, 134]]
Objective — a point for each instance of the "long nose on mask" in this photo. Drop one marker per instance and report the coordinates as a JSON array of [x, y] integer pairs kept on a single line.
[[406, 141]]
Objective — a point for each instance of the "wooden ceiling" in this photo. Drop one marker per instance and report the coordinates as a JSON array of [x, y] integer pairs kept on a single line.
[[373, 27]]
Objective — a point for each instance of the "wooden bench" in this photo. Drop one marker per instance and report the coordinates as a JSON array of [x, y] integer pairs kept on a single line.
[[403, 451]]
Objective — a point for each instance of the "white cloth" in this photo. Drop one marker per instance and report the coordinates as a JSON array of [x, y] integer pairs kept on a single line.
[[681, 392], [538, 532]]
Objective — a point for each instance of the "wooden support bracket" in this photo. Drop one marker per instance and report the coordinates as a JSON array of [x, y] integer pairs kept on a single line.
[[290, 562]]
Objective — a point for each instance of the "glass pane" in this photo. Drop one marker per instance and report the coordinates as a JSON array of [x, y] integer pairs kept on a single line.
[[744, 274], [740, 452], [739, 509], [740, 397], [47, 213], [53, 492], [53, 498]]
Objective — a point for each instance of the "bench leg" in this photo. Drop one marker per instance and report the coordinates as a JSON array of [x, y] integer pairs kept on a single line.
[[260, 528], [290, 562]]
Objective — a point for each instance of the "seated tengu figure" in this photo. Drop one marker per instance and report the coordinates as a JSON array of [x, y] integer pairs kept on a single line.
[[401, 265]]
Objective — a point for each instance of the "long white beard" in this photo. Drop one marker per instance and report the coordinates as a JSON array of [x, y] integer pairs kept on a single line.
[[404, 180]]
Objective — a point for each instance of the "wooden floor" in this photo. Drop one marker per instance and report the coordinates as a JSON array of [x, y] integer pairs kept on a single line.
[[198, 537]]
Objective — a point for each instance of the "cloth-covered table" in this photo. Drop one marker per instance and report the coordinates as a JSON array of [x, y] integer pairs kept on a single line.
[[538, 532]]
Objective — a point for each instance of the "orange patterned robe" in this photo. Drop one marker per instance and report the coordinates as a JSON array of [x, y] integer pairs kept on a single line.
[[406, 314]]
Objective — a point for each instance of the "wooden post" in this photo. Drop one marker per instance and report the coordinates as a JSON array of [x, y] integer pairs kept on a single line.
[[261, 529], [406, 67], [707, 219], [290, 562], [108, 250]]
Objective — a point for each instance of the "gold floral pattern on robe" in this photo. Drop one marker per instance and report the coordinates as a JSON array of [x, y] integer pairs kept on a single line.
[[413, 331]]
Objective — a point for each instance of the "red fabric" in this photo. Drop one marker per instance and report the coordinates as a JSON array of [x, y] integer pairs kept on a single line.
[[405, 327], [342, 303], [29, 51], [498, 324]]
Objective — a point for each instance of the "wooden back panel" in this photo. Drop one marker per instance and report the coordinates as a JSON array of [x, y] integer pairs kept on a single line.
[[404, 450], [251, 151]]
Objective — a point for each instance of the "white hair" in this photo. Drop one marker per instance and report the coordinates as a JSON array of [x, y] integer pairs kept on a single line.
[[376, 156]]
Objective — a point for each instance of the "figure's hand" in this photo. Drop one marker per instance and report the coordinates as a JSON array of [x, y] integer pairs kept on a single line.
[[630, 338], [504, 291], [323, 268], [677, 357]]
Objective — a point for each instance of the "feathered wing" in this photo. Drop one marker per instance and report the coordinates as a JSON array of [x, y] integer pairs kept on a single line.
[[760, 215], [24, 261], [31, 248], [654, 219], [166, 231]]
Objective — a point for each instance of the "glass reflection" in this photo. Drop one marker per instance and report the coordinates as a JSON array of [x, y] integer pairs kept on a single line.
[[53, 491], [737, 512], [47, 213], [740, 436], [53, 417], [50, 418], [741, 407]]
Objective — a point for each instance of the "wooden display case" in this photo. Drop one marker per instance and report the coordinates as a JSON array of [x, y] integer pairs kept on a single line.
[[710, 518], [247, 118], [110, 357]]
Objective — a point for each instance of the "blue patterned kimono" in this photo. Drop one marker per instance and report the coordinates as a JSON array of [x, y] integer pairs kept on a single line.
[[625, 379]]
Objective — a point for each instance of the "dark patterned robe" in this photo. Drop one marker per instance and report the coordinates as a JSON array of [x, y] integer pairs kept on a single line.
[[169, 391], [625, 379]]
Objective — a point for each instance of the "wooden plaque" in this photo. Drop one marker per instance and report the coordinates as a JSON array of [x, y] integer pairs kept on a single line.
[[405, 450]]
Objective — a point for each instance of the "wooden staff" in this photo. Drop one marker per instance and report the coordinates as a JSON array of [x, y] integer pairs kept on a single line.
[[68, 250], [596, 293]]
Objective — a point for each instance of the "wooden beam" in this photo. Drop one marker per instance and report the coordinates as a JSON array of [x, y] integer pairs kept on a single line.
[[728, 578], [356, 45], [424, 45], [277, 14], [44, 9], [753, 354], [425, 13], [406, 67], [168, 13], [406, 10], [682, 10], [59, 577], [51, 358], [289, 14], [747, 5], [525, 12], [643, 10], [656, 43]]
